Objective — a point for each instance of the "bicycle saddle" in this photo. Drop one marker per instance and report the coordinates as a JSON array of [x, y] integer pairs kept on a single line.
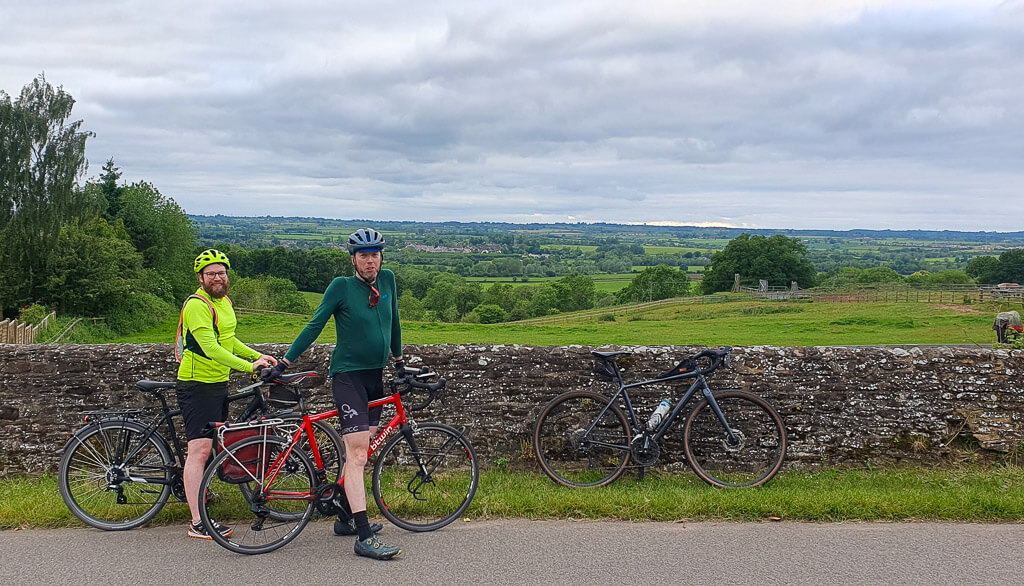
[[151, 386], [610, 354]]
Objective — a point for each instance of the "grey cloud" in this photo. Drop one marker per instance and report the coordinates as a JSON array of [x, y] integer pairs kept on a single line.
[[829, 115]]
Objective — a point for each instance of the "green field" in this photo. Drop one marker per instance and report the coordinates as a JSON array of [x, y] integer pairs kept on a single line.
[[736, 323], [603, 283]]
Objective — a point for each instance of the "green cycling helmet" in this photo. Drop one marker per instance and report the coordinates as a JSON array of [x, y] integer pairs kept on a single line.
[[209, 257]]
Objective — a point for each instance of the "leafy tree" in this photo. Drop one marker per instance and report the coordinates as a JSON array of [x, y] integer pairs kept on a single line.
[[465, 297], [42, 159], [984, 269], [440, 298], [270, 293], [91, 270], [500, 294], [161, 232], [487, 313], [410, 308], [1011, 267], [777, 259], [654, 283], [574, 293]]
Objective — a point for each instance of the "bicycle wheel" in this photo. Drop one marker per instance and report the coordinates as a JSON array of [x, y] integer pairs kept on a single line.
[[579, 442], [279, 506], [108, 492], [429, 486], [756, 453]]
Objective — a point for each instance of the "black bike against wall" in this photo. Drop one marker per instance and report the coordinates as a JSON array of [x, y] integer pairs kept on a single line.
[[118, 471], [731, 438]]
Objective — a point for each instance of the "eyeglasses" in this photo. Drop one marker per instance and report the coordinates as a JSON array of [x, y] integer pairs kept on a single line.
[[216, 275], [374, 296]]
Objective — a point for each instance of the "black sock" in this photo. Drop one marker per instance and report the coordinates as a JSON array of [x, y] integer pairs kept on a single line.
[[362, 525]]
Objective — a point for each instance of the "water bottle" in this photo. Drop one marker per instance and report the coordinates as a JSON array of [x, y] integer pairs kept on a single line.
[[658, 414]]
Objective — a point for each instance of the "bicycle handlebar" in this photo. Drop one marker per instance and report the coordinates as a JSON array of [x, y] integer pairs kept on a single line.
[[417, 379]]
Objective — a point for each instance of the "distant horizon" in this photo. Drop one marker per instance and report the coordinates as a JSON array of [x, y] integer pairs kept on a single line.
[[654, 224]]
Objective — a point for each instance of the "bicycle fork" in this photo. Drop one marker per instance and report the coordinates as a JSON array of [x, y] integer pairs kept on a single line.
[[730, 435], [426, 465]]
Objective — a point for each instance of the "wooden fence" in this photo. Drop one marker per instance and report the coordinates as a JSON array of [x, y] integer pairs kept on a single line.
[[13, 331]]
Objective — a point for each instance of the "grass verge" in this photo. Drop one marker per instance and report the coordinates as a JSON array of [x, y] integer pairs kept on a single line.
[[966, 494]]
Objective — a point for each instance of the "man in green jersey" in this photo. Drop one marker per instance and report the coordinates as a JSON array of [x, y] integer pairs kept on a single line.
[[365, 310], [210, 351]]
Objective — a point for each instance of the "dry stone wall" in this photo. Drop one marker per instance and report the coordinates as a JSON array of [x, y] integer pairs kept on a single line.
[[843, 406]]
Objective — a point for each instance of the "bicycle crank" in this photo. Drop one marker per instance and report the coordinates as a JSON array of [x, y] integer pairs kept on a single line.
[[644, 451], [330, 500]]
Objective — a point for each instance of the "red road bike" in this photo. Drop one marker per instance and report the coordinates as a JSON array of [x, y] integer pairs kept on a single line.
[[424, 477]]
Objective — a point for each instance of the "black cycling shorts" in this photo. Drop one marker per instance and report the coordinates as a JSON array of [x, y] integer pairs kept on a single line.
[[201, 404], [352, 392]]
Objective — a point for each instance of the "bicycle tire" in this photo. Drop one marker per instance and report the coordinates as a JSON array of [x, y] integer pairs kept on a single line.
[[570, 454], [417, 503], [757, 455], [256, 527], [89, 462]]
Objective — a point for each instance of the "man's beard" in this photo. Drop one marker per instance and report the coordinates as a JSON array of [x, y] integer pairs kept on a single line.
[[217, 290], [369, 279]]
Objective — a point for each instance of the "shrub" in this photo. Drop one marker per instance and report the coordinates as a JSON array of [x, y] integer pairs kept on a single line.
[[268, 293], [137, 312], [33, 314]]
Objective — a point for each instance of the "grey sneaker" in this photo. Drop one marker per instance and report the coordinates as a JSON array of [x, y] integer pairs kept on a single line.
[[346, 528], [373, 547]]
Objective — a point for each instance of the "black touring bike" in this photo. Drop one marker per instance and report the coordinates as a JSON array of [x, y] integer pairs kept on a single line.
[[731, 438], [119, 470]]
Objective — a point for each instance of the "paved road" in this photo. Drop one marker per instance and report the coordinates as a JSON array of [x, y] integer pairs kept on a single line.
[[541, 552]]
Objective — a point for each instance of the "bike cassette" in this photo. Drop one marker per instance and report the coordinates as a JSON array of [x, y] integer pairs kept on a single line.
[[330, 500], [644, 451]]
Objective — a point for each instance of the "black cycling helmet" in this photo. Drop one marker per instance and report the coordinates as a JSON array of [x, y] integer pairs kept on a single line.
[[365, 239]]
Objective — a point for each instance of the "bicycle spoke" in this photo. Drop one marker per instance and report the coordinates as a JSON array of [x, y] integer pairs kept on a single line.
[[271, 510], [580, 443], [98, 490], [426, 488], [750, 456]]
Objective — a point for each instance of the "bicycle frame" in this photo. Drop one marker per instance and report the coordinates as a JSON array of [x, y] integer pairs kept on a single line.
[[699, 383], [399, 422], [164, 420]]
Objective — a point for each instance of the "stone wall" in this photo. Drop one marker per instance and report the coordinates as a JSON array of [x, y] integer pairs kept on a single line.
[[843, 406]]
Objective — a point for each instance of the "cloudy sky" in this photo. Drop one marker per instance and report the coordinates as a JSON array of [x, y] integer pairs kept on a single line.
[[832, 114]]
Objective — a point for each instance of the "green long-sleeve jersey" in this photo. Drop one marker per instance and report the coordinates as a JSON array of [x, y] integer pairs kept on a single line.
[[366, 335]]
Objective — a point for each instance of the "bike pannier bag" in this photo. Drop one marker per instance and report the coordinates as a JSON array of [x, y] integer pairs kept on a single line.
[[251, 461]]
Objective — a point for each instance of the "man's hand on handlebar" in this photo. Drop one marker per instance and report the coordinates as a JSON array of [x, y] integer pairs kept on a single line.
[[400, 371], [269, 374]]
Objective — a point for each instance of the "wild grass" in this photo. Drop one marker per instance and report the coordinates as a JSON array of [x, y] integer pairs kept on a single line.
[[966, 494]]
